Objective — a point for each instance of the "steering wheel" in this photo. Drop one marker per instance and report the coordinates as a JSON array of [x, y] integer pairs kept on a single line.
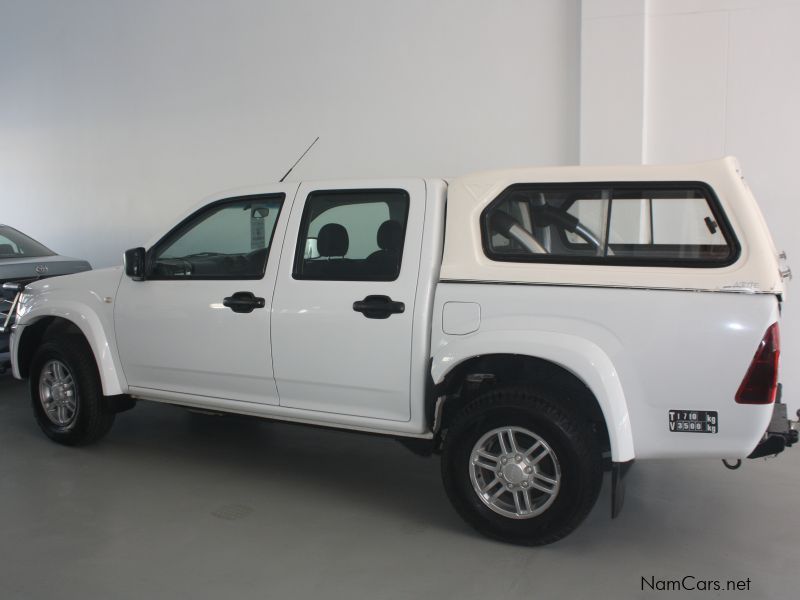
[[175, 266]]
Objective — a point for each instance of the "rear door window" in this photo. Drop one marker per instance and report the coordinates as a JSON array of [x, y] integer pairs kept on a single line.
[[352, 235]]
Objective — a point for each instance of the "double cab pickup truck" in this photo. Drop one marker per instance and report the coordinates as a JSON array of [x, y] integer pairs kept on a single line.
[[535, 327]]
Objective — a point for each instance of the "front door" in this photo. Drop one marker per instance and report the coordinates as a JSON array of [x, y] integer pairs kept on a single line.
[[344, 302], [200, 322]]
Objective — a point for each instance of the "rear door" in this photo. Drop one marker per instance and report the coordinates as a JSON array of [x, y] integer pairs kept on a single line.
[[344, 301]]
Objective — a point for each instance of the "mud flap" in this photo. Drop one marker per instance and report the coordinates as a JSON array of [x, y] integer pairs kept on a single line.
[[121, 403], [618, 473]]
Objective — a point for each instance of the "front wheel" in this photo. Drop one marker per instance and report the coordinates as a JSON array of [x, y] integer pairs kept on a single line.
[[66, 393], [521, 467]]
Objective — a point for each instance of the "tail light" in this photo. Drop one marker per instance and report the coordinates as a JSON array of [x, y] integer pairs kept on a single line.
[[760, 384]]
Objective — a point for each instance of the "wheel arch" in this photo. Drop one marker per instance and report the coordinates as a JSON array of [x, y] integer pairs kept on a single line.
[[38, 329], [560, 361]]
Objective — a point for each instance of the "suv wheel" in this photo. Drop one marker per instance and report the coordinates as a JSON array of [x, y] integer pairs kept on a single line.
[[521, 467], [66, 393]]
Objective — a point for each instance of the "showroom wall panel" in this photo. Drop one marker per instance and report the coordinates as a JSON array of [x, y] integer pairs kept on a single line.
[[115, 116], [612, 81]]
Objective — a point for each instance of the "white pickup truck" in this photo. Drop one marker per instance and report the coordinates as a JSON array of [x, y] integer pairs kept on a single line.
[[534, 326]]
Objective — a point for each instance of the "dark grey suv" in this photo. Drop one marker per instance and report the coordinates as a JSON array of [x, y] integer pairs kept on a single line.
[[24, 259]]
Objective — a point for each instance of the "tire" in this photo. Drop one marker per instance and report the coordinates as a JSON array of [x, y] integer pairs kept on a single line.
[[64, 378], [562, 487]]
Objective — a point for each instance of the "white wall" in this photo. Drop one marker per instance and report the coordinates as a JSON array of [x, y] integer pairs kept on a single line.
[[115, 115], [720, 78]]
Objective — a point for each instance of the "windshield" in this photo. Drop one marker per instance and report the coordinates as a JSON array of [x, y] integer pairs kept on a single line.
[[14, 244]]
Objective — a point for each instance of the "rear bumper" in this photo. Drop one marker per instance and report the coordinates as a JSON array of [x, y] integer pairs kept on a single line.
[[781, 432]]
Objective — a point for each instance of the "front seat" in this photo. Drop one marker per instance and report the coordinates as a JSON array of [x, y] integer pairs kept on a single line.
[[384, 264]]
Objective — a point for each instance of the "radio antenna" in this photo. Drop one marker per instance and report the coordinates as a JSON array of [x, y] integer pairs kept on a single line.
[[298, 160]]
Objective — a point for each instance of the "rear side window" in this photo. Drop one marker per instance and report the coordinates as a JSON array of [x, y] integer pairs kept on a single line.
[[352, 235], [655, 224]]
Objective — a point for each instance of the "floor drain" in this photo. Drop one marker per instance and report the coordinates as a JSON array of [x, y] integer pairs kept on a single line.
[[232, 512]]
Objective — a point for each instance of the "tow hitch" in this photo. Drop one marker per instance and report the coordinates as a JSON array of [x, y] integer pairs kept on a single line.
[[781, 432]]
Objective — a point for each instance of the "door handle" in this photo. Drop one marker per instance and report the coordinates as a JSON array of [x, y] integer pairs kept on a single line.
[[378, 307], [243, 302]]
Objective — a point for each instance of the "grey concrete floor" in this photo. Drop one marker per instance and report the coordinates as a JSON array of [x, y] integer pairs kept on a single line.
[[179, 505]]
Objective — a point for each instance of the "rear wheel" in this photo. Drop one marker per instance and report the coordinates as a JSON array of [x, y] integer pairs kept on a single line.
[[66, 393], [521, 467]]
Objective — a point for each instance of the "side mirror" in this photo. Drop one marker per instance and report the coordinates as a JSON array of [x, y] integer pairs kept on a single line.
[[134, 263]]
